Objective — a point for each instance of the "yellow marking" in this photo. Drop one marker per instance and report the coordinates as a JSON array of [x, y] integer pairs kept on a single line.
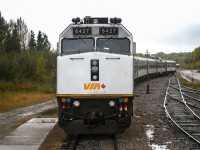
[[86, 86], [95, 95], [97, 86], [92, 86]]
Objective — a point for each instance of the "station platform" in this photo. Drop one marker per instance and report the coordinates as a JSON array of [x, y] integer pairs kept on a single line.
[[28, 136]]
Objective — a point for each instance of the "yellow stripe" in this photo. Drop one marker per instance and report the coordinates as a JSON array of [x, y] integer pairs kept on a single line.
[[94, 95]]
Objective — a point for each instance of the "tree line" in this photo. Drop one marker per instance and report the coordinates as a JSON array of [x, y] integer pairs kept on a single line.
[[15, 37], [24, 57]]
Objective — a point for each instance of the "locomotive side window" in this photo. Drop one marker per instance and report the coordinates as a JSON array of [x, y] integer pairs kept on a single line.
[[77, 45], [114, 45]]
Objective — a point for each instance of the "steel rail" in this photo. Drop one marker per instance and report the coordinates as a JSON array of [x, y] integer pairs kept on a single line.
[[191, 89], [182, 102]]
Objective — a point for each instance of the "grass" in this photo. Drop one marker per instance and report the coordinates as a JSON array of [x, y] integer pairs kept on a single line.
[[13, 100], [193, 85], [14, 95]]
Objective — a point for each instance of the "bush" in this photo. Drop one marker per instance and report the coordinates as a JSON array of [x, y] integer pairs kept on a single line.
[[27, 70]]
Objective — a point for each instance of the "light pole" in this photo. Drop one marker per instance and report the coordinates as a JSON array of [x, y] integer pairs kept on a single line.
[[192, 76]]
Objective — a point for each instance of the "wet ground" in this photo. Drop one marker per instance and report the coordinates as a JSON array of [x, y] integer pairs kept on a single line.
[[29, 135], [12, 119], [191, 75]]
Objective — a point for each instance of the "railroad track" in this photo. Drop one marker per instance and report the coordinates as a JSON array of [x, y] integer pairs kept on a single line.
[[73, 142], [183, 108]]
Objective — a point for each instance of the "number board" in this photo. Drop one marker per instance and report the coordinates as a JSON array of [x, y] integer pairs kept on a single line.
[[82, 31], [108, 30]]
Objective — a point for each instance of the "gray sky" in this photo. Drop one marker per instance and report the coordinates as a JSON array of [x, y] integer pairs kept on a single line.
[[157, 25]]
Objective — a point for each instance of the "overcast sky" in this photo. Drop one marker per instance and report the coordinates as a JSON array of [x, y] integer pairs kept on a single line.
[[157, 25]]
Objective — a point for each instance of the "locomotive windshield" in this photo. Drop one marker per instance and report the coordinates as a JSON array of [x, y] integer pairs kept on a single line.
[[114, 45], [107, 45], [77, 45]]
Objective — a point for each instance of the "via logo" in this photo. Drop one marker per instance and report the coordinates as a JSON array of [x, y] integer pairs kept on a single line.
[[93, 86]]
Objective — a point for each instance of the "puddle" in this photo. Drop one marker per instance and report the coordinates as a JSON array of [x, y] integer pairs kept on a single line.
[[149, 133], [26, 114]]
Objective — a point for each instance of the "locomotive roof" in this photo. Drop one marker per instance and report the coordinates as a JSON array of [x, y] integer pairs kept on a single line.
[[94, 27], [143, 58], [152, 60]]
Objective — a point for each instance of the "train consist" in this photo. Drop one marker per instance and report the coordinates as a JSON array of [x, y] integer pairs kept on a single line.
[[150, 67], [96, 70]]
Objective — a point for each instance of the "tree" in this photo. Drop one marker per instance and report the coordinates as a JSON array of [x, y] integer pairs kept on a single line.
[[15, 40], [23, 32], [8, 40], [3, 31], [43, 42], [39, 41], [12, 41], [46, 43], [196, 55], [40, 68], [31, 41]]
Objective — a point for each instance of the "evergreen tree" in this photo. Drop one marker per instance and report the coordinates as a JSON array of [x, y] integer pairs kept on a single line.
[[43, 42], [46, 43], [3, 31], [23, 32], [8, 41], [15, 40], [39, 41], [32, 42]]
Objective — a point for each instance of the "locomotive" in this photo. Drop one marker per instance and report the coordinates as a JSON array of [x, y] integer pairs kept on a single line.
[[96, 70], [95, 76]]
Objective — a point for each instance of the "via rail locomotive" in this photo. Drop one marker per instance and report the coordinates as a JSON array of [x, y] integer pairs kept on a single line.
[[96, 70]]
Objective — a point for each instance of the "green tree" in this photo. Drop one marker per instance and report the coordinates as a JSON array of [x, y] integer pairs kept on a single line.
[[43, 42], [8, 41], [31, 41], [196, 55], [46, 43], [40, 68], [12, 41], [23, 32], [15, 40], [39, 41], [3, 31]]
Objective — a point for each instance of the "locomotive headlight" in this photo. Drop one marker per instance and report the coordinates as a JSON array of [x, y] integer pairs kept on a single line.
[[111, 103], [95, 21], [95, 69], [94, 77], [76, 103]]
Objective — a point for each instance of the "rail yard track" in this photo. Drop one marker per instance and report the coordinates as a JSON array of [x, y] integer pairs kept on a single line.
[[187, 116], [73, 142]]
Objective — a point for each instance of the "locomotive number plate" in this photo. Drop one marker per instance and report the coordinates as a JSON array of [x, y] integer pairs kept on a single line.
[[82, 31], [108, 30]]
